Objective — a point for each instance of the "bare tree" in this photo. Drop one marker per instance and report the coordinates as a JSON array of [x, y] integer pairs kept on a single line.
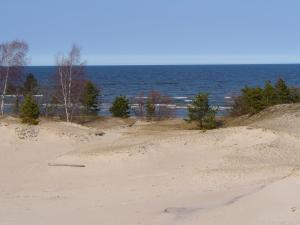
[[70, 79], [139, 105], [154, 107], [159, 107], [12, 59]]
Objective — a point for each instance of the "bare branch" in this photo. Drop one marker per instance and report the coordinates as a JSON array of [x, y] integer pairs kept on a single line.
[[12, 60]]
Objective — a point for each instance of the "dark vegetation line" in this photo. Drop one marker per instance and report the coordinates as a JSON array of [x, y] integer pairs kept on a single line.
[[70, 96], [255, 99]]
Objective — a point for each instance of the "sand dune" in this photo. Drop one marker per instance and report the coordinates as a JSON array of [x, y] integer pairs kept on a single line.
[[144, 174]]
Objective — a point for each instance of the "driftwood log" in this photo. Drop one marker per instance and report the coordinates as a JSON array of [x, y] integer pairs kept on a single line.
[[65, 164]]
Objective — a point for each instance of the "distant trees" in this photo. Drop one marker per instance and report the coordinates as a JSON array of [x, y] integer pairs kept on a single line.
[[12, 59], [72, 94], [69, 93], [201, 112], [30, 111], [70, 80], [254, 99], [90, 98]]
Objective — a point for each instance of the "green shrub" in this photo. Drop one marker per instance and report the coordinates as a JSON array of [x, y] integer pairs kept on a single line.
[[29, 111], [120, 107], [200, 112], [209, 120]]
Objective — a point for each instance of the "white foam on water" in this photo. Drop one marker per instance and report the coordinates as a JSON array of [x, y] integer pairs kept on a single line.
[[180, 97], [138, 97], [224, 107]]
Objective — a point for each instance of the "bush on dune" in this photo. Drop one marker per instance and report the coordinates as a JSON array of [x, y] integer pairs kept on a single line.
[[30, 111], [202, 113], [120, 107], [255, 99], [90, 98]]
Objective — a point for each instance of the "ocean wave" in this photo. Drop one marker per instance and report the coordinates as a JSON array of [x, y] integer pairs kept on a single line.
[[180, 97], [174, 106], [175, 97], [224, 108], [140, 97]]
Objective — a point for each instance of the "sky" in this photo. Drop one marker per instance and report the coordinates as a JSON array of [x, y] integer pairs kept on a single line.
[[135, 32]]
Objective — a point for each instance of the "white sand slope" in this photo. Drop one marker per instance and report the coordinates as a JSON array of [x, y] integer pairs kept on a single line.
[[141, 176]]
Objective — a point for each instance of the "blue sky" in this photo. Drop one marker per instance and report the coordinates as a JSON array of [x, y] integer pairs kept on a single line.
[[156, 31]]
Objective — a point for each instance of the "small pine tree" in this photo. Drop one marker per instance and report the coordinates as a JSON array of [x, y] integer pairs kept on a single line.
[[201, 112], [30, 85], [90, 98], [29, 111], [120, 107], [283, 92]]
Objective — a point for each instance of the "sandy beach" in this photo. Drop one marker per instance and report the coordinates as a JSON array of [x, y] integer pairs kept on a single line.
[[152, 173]]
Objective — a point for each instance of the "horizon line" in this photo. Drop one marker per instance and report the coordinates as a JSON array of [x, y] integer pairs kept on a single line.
[[187, 64]]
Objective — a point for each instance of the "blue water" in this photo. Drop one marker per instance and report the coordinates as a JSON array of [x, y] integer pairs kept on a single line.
[[180, 82]]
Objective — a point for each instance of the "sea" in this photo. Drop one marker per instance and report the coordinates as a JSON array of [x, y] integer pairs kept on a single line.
[[179, 82]]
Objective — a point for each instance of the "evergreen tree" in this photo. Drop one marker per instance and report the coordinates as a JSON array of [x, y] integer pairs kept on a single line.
[[29, 111], [90, 98], [120, 107], [30, 85], [253, 98], [201, 112], [283, 92], [269, 94]]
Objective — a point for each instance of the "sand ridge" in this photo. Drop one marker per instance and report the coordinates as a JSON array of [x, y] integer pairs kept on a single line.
[[144, 174]]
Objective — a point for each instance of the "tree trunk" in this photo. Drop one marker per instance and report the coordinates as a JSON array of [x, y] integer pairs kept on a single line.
[[64, 93], [4, 92]]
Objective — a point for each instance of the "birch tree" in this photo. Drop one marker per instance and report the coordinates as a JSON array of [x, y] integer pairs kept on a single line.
[[70, 78], [12, 59]]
